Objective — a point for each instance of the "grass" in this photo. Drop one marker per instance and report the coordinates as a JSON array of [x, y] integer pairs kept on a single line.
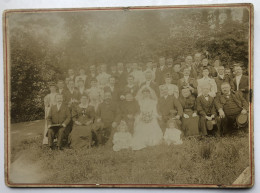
[[207, 161]]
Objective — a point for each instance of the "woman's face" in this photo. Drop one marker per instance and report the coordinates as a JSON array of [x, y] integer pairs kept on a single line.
[[185, 93], [146, 94]]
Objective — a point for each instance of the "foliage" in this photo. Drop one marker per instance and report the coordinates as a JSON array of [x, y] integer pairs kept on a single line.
[[43, 46]]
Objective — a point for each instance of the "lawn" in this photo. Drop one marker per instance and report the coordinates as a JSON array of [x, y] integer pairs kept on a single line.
[[197, 161]]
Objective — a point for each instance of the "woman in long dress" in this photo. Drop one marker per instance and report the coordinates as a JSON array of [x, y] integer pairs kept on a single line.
[[190, 119], [83, 117], [147, 131]]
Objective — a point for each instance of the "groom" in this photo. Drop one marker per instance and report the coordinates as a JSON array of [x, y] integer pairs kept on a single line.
[[168, 107]]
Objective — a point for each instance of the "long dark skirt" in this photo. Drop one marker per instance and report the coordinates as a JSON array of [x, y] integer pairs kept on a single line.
[[190, 125], [80, 137]]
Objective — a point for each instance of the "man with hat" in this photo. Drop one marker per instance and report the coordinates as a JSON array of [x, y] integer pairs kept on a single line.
[[230, 104], [207, 111]]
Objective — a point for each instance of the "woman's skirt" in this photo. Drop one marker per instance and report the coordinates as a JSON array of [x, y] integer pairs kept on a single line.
[[80, 137], [190, 125]]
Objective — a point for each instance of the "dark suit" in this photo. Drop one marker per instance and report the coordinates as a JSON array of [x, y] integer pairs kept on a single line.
[[232, 105], [61, 116], [153, 85], [176, 76], [219, 81], [168, 108], [122, 79], [88, 79], [115, 93], [160, 75], [69, 96], [206, 108], [243, 86]]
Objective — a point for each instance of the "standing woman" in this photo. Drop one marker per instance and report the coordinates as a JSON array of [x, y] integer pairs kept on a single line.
[[190, 119], [49, 100], [83, 117]]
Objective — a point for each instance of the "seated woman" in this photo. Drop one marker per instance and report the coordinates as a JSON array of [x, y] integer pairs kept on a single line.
[[190, 119], [83, 117]]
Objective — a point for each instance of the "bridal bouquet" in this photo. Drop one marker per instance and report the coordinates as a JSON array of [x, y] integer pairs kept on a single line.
[[147, 117]]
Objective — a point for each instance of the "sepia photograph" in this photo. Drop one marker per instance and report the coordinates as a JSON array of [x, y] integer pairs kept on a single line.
[[156, 96]]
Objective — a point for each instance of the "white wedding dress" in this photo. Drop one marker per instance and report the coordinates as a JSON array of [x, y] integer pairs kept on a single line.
[[147, 131]]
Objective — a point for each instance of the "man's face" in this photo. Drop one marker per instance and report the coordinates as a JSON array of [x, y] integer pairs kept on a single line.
[[93, 83], [59, 99], [92, 68], [112, 80], [107, 96], [82, 72], [120, 66], [205, 73], [148, 76], [225, 88], [188, 60], [130, 80], [177, 68], [70, 72], [221, 70], [205, 91], [103, 68], [52, 88], [197, 58], [205, 62], [227, 72], [168, 80], [238, 71], [162, 61], [169, 62], [71, 84], [216, 63], [60, 85], [186, 72]]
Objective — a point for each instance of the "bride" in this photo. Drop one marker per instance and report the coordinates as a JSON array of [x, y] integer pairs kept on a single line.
[[147, 131]]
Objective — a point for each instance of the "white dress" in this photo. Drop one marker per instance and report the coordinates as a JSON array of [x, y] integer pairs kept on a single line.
[[147, 131], [172, 136], [121, 140]]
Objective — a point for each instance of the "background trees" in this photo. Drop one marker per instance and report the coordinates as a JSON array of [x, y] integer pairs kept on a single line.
[[44, 45]]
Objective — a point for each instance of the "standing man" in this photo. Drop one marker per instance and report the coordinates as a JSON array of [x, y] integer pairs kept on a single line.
[[176, 73], [160, 71], [169, 63], [149, 82], [241, 81], [61, 87], [188, 82], [229, 105], [121, 74], [103, 77], [58, 119], [92, 74], [221, 77], [71, 75]]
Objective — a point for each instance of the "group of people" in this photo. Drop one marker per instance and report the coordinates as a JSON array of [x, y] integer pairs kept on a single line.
[[135, 106]]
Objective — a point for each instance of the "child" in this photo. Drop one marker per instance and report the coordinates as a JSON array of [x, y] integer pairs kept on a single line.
[[172, 134], [122, 138]]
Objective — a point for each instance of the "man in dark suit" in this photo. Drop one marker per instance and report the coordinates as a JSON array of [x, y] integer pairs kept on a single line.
[[58, 119], [241, 82], [121, 75], [188, 82], [168, 107], [221, 77], [207, 111], [169, 63], [161, 71], [131, 86], [91, 75], [72, 94], [61, 87], [176, 74], [113, 88], [229, 105], [108, 114], [149, 82]]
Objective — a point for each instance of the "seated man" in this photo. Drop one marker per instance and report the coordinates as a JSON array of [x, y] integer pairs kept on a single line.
[[58, 118], [207, 111], [108, 114], [168, 107], [229, 105]]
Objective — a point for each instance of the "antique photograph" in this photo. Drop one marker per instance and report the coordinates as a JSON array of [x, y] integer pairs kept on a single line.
[[129, 97]]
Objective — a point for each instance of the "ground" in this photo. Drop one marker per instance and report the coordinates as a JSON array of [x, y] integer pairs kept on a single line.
[[197, 161]]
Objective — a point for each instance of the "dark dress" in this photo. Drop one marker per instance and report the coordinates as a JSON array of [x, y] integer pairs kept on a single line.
[[190, 125], [81, 134]]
